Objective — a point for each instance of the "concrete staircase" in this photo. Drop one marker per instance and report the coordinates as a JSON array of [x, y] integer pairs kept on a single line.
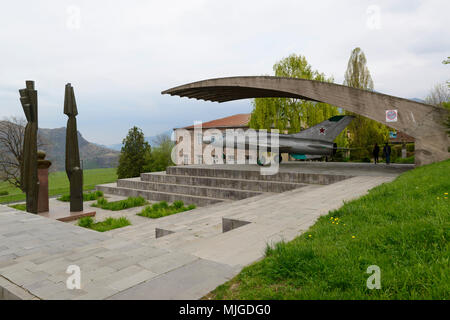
[[203, 185]]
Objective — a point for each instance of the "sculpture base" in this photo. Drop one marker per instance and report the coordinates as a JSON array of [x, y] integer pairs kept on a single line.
[[65, 216]]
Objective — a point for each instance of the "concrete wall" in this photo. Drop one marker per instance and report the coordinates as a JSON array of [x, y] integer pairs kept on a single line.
[[191, 154]]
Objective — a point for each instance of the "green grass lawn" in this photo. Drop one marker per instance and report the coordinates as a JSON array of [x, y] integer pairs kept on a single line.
[[59, 184], [130, 202], [20, 206], [106, 225], [87, 196], [403, 227], [162, 209]]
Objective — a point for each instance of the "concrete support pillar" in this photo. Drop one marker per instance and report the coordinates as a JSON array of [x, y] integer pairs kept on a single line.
[[428, 151]]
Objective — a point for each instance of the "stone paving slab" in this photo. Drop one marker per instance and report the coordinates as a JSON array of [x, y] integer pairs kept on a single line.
[[191, 281]]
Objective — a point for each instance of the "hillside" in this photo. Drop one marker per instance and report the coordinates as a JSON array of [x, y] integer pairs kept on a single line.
[[152, 140], [92, 155]]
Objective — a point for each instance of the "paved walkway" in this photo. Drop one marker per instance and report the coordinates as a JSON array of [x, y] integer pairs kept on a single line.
[[129, 263]]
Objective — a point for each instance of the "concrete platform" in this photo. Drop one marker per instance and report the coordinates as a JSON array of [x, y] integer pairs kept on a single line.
[[204, 185], [316, 167], [131, 263]]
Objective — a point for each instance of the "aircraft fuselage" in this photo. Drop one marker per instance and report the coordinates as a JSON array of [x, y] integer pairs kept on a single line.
[[287, 143]]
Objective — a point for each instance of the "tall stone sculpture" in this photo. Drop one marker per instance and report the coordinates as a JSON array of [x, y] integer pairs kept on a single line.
[[73, 168], [28, 169]]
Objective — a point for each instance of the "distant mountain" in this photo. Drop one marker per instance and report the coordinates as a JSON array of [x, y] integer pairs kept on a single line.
[[151, 140], [92, 155], [418, 100], [116, 147]]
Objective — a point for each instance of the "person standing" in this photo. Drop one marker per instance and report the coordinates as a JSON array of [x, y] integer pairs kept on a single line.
[[376, 152], [387, 153]]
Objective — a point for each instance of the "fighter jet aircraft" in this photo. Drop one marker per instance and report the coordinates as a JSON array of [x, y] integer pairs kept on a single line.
[[316, 141]]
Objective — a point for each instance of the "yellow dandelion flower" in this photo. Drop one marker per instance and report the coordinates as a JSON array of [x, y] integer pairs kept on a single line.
[[437, 198], [353, 237], [446, 193], [332, 222], [310, 236]]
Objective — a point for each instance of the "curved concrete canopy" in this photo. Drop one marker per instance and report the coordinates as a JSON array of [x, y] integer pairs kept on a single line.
[[419, 120]]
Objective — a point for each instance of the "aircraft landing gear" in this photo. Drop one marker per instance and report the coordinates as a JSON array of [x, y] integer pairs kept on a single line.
[[261, 161]]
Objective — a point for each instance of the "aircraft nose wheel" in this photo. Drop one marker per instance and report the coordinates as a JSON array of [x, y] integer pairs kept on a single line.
[[261, 161]]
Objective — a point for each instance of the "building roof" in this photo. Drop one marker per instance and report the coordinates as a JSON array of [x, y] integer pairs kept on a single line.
[[240, 120], [402, 138]]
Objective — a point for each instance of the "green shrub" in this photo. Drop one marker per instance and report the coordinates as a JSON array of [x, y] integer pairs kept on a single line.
[[88, 196], [130, 202], [163, 205], [64, 198], [409, 160], [4, 193], [178, 204], [86, 222], [106, 225], [396, 152], [162, 209], [102, 201], [92, 195], [410, 147]]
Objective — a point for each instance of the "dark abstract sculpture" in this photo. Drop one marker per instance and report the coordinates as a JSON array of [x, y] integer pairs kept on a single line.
[[28, 169], [73, 168]]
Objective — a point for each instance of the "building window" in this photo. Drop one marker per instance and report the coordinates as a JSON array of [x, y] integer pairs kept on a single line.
[[199, 159], [186, 158], [199, 138]]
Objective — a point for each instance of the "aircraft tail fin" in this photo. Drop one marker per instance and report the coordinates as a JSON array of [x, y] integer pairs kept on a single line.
[[327, 130]]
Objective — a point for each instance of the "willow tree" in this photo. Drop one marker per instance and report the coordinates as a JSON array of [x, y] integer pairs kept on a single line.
[[289, 114], [364, 132]]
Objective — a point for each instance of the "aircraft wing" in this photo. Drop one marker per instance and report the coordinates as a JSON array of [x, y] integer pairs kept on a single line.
[[282, 147]]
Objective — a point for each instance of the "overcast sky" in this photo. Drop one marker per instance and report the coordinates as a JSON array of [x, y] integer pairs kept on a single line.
[[120, 55]]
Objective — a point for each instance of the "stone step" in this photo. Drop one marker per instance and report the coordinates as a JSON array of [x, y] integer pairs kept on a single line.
[[241, 184], [194, 190], [241, 174], [112, 188]]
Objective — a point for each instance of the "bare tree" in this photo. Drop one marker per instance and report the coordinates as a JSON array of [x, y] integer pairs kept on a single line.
[[11, 149], [438, 95]]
